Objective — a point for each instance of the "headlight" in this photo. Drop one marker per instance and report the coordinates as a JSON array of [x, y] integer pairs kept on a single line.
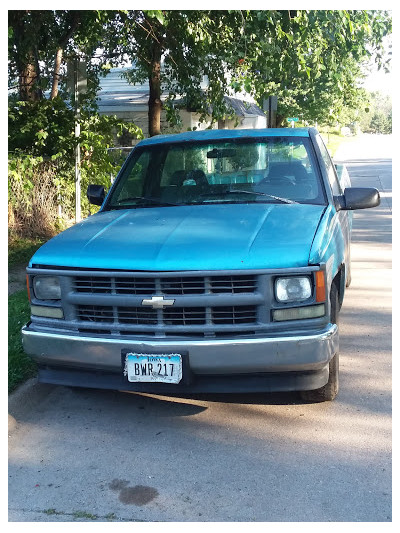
[[47, 288], [293, 289]]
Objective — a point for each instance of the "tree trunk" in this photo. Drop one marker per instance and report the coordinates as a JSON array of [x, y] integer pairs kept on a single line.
[[155, 104], [28, 92], [56, 74], [280, 119], [75, 21]]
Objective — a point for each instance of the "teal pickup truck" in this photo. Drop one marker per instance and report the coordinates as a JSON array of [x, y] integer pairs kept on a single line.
[[217, 262]]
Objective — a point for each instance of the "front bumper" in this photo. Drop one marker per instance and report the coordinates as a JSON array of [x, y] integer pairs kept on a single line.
[[247, 364]]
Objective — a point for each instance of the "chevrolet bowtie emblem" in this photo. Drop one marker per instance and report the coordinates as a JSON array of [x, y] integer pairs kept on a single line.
[[157, 302]]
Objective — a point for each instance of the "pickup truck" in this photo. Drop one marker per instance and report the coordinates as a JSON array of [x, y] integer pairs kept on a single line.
[[217, 262]]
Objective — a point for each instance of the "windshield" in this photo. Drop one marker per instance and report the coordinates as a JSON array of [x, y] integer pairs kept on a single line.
[[267, 170]]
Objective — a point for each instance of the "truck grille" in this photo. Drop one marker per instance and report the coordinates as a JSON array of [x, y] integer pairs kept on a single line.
[[203, 305], [179, 316], [168, 285]]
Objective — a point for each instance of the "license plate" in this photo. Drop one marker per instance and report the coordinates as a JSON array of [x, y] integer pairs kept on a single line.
[[150, 368]]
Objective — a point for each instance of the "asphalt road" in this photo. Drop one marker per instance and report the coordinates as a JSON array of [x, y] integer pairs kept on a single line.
[[87, 455]]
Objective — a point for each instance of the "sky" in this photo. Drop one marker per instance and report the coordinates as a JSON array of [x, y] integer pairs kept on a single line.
[[379, 80]]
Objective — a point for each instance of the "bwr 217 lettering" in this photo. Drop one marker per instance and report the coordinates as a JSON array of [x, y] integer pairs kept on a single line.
[[149, 369]]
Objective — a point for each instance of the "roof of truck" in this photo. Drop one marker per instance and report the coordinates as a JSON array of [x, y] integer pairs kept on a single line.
[[213, 135]]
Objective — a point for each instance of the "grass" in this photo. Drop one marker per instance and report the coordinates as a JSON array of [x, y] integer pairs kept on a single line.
[[334, 140], [84, 514], [21, 249], [20, 366], [81, 515]]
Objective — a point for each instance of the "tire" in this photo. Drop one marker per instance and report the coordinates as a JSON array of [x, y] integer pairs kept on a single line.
[[328, 392], [348, 277]]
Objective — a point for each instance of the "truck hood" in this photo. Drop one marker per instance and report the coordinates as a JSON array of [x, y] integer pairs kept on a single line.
[[200, 237]]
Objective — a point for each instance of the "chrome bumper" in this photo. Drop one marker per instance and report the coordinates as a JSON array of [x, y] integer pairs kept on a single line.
[[302, 353]]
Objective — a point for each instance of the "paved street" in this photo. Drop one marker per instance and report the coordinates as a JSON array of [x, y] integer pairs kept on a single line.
[[85, 455]]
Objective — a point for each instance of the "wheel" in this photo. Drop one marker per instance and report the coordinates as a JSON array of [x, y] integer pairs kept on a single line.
[[329, 391]]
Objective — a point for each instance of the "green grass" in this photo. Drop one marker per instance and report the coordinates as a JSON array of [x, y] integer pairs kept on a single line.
[[20, 366], [21, 249], [84, 514], [333, 141]]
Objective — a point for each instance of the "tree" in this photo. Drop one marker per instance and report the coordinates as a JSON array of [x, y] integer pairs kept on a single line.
[[377, 117], [173, 50], [41, 116], [39, 42], [310, 59]]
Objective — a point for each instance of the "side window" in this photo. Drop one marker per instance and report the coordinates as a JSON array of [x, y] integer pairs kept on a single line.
[[133, 184], [335, 186]]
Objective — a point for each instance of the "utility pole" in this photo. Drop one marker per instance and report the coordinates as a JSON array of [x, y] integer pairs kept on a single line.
[[78, 146], [270, 106], [76, 85]]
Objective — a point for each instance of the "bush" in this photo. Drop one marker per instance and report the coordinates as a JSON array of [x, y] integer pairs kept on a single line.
[[41, 176], [35, 196]]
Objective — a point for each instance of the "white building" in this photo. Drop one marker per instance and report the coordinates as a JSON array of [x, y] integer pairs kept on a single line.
[[130, 102]]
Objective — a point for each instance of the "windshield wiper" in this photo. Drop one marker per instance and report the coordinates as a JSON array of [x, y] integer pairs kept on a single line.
[[256, 193], [155, 201]]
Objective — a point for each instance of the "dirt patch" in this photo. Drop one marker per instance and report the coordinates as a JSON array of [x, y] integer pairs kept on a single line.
[[16, 278], [137, 495]]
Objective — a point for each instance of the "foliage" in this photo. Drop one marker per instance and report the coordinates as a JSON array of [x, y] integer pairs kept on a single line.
[[36, 35], [42, 118], [377, 117], [42, 129], [20, 366], [310, 59], [42, 161], [333, 139], [35, 189]]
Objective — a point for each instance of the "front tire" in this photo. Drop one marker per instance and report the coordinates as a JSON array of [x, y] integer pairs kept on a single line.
[[348, 277], [329, 391]]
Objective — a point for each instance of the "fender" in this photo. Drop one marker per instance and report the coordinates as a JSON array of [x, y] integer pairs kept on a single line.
[[329, 246]]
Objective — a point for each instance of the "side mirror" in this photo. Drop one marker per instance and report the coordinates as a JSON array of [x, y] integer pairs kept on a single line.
[[358, 198], [96, 194]]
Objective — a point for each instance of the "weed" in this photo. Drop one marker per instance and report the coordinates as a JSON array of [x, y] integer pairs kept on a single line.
[[84, 514], [50, 511], [20, 366]]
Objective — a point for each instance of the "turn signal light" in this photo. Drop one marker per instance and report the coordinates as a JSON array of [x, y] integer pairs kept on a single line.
[[320, 295]]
